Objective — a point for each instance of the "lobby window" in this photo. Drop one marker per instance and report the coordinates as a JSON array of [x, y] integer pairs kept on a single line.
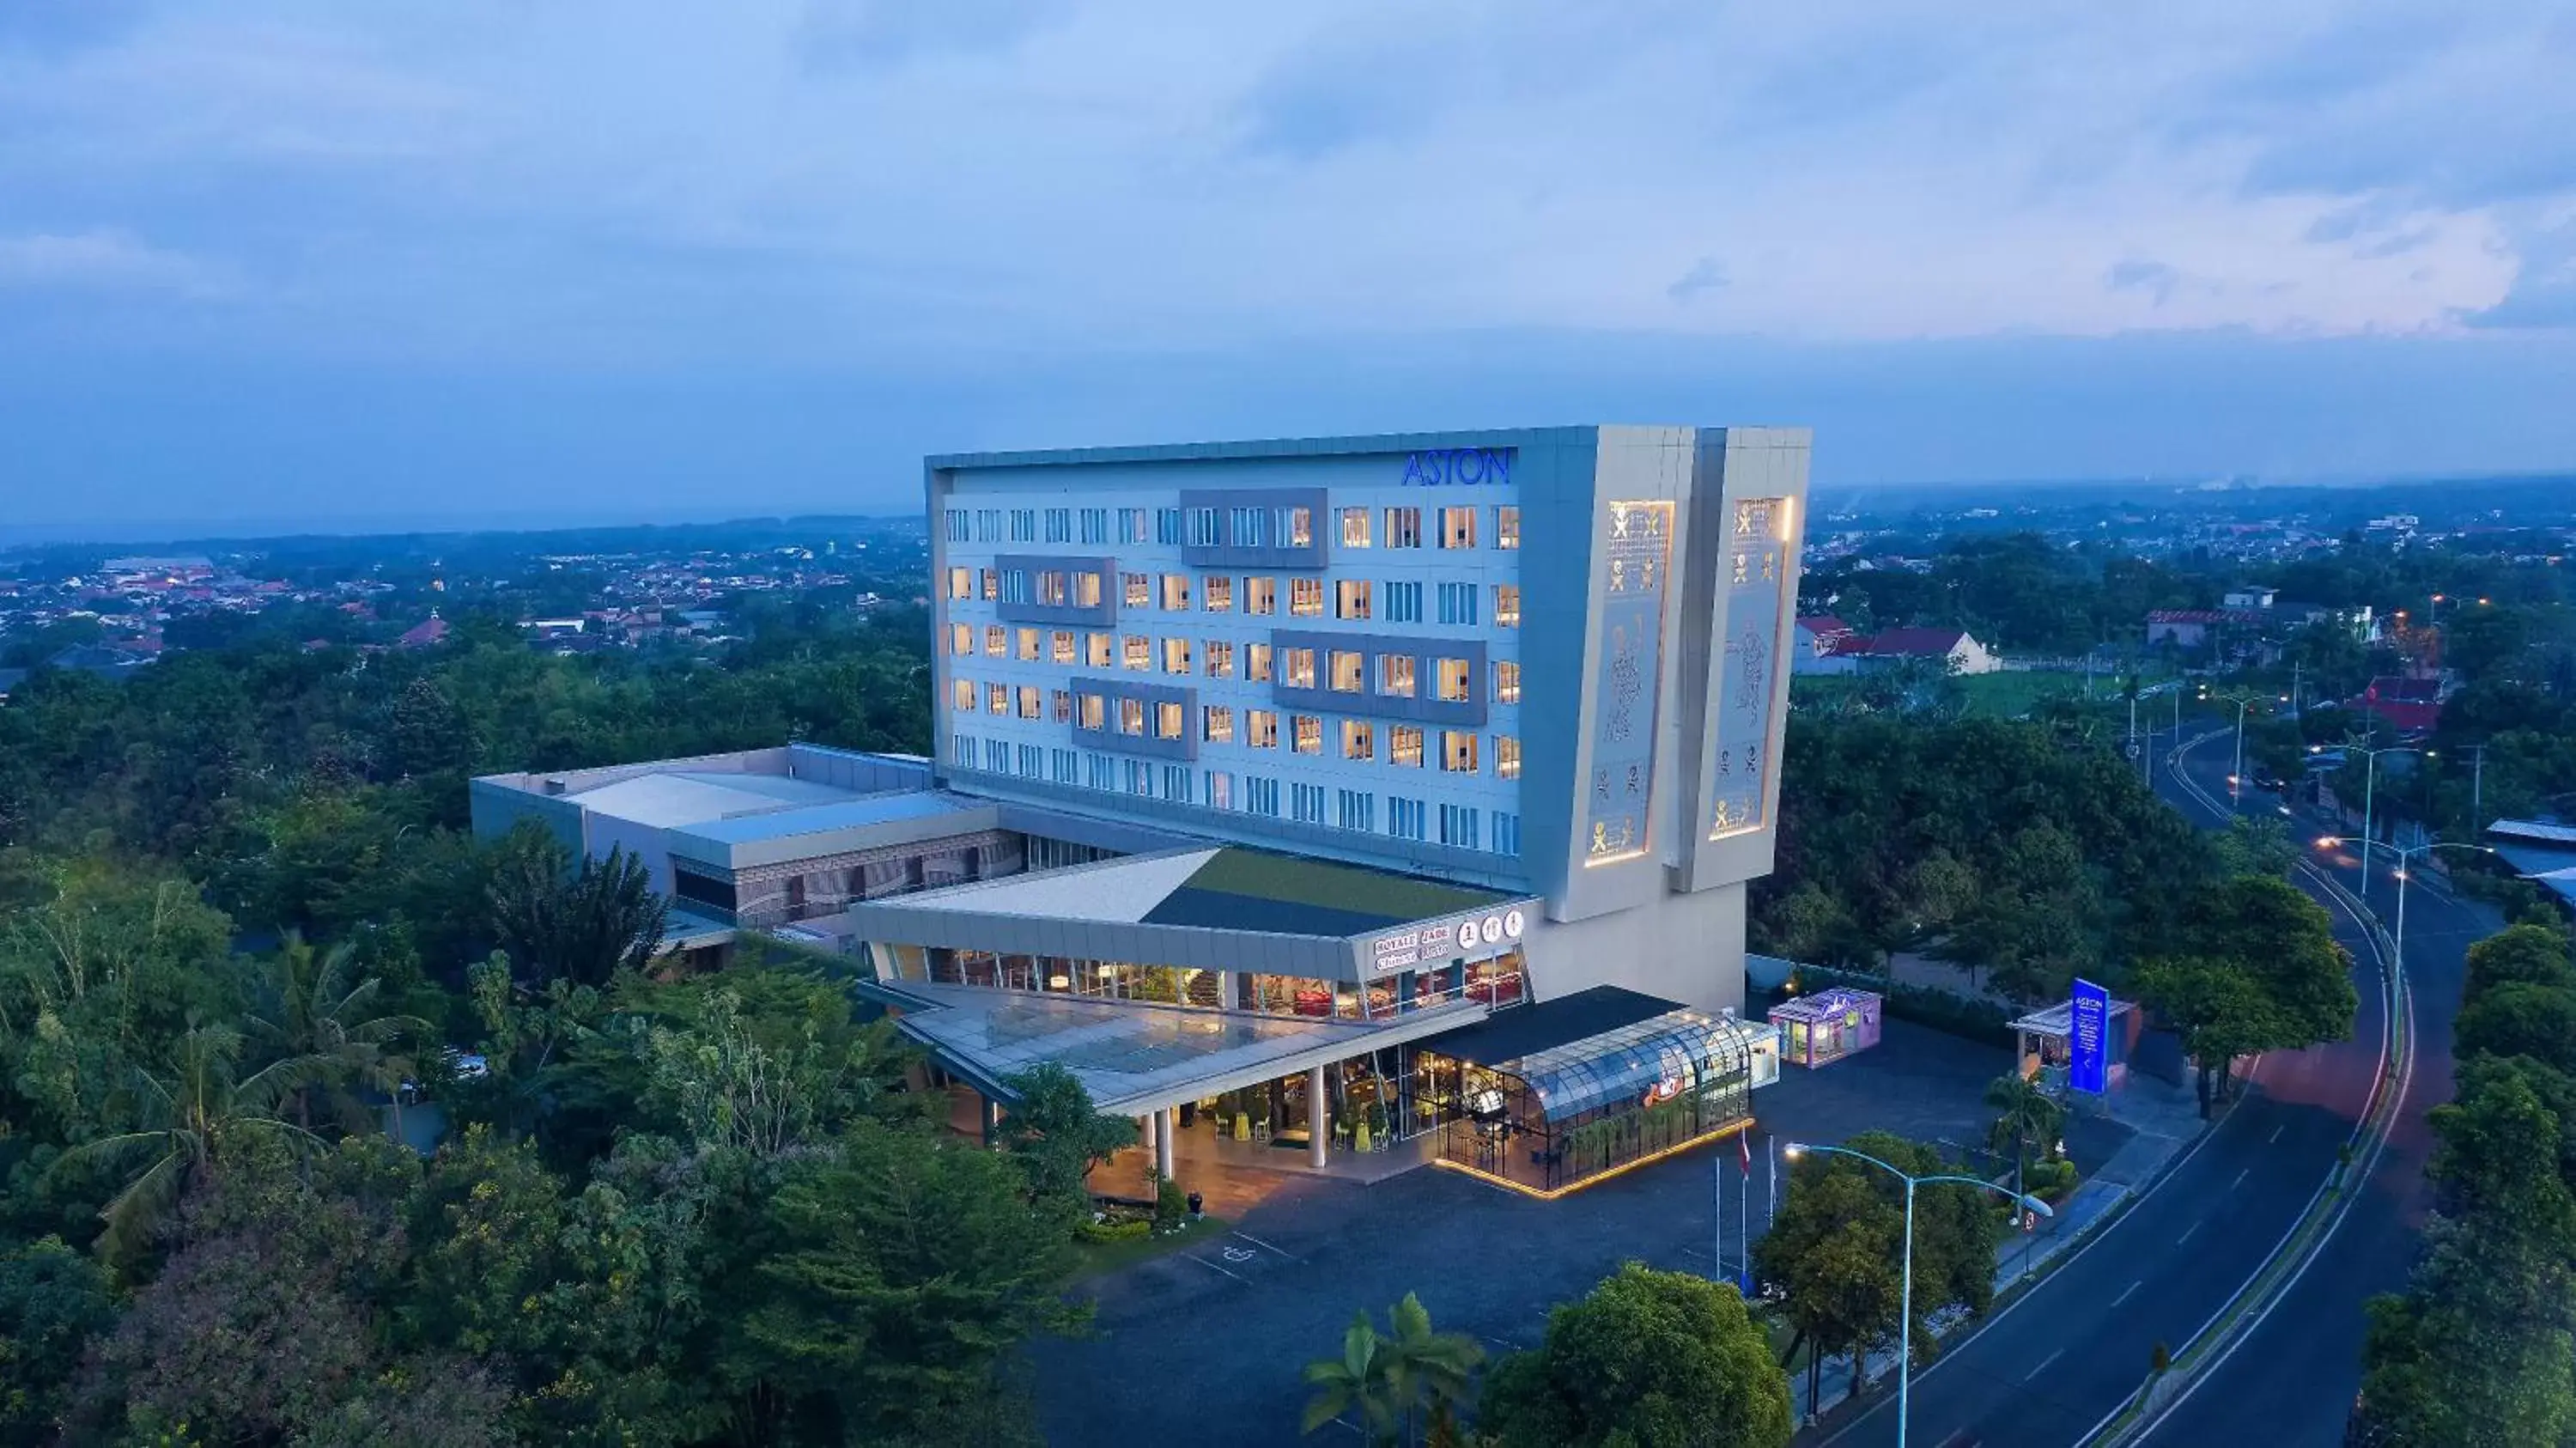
[[990, 584], [1403, 602], [1059, 525], [997, 640], [1176, 591], [1220, 789], [1457, 527], [1260, 595], [1176, 656], [1404, 527], [1507, 605], [1507, 757], [1207, 528], [1095, 525], [1131, 525], [1051, 588], [1355, 527], [1455, 677], [1032, 645], [1404, 745], [1220, 661], [997, 697], [1299, 529], [1062, 646], [1032, 702], [1086, 590], [1248, 527], [1170, 721], [1358, 810], [1100, 650], [961, 696], [1261, 728], [961, 639], [1256, 663], [961, 583], [1306, 597], [1140, 651], [1095, 712], [1458, 751], [1139, 588], [1507, 526], [1350, 671], [1395, 675], [1131, 716], [1297, 669], [1063, 701], [1217, 724], [1359, 740], [1507, 682], [1404, 817], [1351, 598], [1307, 734], [1218, 593]]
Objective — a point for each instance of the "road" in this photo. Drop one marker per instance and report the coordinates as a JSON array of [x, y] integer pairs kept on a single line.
[[2047, 1369], [2290, 1382]]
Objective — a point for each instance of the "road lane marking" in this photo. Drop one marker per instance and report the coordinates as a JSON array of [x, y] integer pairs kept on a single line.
[[2187, 1231], [2276, 1132], [1212, 1267], [2240, 1179], [2043, 1365], [1257, 1242], [2126, 1291]]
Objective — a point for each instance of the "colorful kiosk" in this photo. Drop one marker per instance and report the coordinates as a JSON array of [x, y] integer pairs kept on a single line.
[[1819, 1029]]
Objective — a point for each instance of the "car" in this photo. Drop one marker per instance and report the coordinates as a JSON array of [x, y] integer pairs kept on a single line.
[[2272, 782]]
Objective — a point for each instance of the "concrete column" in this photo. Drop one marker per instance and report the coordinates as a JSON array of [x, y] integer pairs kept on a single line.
[[992, 1119], [1167, 1145], [1225, 990], [1318, 1118]]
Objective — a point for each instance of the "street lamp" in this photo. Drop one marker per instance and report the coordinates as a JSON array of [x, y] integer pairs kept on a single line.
[[2369, 796], [2236, 781], [2404, 875], [1905, 1309]]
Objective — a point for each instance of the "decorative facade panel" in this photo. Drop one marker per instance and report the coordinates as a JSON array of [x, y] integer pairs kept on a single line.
[[1626, 682], [1754, 585]]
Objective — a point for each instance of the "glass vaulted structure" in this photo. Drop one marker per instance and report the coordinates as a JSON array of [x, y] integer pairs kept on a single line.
[[1551, 1117]]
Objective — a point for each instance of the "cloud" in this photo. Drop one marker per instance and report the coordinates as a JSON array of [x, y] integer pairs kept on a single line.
[[1706, 275], [2154, 278], [103, 261]]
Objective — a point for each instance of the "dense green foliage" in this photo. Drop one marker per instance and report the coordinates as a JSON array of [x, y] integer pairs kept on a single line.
[[1648, 1359], [2480, 1350], [2254, 967], [1394, 1382]]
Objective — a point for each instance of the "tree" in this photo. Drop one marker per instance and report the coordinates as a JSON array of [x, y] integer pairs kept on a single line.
[[2523, 954], [1425, 1368], [2024, 1113], [2520, 1019], [1647, 1359], [312, 1007], [52, 1301], [1354, 1380], [579, 923], [1056, 1137]]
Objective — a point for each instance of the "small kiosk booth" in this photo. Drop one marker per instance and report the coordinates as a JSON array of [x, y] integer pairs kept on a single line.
[[1819, 1029]]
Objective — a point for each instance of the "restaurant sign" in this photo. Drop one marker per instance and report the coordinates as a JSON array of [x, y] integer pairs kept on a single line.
[[1445, 940]]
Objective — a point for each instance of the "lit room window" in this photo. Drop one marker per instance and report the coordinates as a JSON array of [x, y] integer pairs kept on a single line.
[[1297, 670], [1219, 592], [992, 582], [1306, 596], [1310, 734], [1219, 724], [1260, 595], [997, 640], [1507, 605], [1176, 656], [1095, 712], [1261, 728], [1404, 527], [961, 696], [1139, 587], [1063, 702], [1458, 751], [997, 697], [1220, 661], [961, 638], [1359, 741], [1032, 702], [1404, 745], [1100, 650], [1051, 588], [1220, 789], [1032, 644], [1507, 527], [1131, 526], [1350, 671], [961, 583], [1170, 721], [1355, 527], [1507, 682], [1140, 652], [1086, 590], [1457, 527], [1176, 590], [1351, 598], [1062, 650], [1395, 675], [1256, 663], [1301, 528], [1131, 717], [1454, 674], [1507, 756]]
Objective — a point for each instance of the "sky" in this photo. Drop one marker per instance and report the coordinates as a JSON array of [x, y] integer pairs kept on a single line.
[[271, 263]]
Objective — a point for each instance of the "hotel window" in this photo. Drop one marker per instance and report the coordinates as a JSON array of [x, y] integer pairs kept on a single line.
[[1095, 525], [1308, 734], [1248, 527], [1095, 712], [1063, 646], [1086, 590], [997, 640], [1059, 525], [1455, 677], [1457, 527], [1350, 671], [961, 639], [1176, 656], [997, 698], [957, 532], [1131, 525], [992, 584], [1359, 741], [1140, 652], [1404, 603], [1220, 789], [1131, 717], [1507, 833], [1355, 527], [1458, 826], [1458, 603], [961, 696], [1024, 525], [1218, 593], [1167, 526], [1256, 663], [1139, 588], [1351, 598], [1032, 645], [1176, 590], [1359, 810], [1507, 527], [988, 525], [1220, 661], [1395, 675], [1217, 724], [1063, 702], [1300, 530], [1297, 669], [1507, 605], [1170, 721], [1051, 588], [1261, 728], [1032, 702], [1100, 650], [1260, 595], [961, 583], [1260, 796], [1206, 528], [1457, 751], [1507, 682], [1404, 817], [1507, 756], [1015, 585], [1404, 745], [1176, 782], [1404, 527], [1306, 596]]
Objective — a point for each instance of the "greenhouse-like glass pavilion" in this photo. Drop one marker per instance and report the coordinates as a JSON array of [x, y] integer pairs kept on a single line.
[[1558, 1095]]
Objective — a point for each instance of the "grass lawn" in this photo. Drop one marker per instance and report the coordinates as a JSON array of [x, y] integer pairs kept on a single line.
[[2005, 694], [1091, 1259]]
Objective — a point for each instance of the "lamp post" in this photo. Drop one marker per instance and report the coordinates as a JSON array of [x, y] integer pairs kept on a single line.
[[2369, 798], [2405, 876], [1905, 1309], [2236, 780]]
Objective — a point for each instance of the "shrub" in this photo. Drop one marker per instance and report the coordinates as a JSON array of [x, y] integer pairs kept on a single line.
[[1171, 1206], [1126, 1231]]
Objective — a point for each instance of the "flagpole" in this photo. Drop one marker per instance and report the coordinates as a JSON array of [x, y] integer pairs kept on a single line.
[[1744, 1206]]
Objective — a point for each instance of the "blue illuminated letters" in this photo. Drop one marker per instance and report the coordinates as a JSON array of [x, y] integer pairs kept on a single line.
[[1442, 467]]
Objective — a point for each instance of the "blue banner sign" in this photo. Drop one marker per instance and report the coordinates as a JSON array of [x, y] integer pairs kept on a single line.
[[2087, 1029], [1442, 467]]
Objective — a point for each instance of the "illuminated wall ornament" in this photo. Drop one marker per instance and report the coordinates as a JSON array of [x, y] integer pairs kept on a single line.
[[1756, 590], [1628, 666]]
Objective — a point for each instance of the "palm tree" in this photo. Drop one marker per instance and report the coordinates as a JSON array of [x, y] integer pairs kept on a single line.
[[188, 1120], [1356, 1379], [1387, 1379], [2024, 1113], [311, 1009]]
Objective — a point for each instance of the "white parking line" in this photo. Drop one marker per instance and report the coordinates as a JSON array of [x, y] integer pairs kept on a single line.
[[2276, 1132], [2240, 1179], [2187, 1231], [1212, 1267], [1257, 1242], [2043, 1365], [2125, 1292]]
